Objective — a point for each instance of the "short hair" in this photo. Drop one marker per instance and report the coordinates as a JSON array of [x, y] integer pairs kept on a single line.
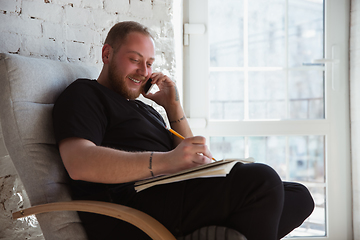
[[118, 33]]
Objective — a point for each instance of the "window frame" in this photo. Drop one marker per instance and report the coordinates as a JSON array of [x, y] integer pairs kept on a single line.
[[335, 126]]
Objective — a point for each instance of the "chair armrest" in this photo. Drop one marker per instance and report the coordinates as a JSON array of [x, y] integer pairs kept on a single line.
[[145, 222]]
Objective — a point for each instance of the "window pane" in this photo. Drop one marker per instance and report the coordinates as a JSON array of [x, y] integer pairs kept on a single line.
[[306, 27], [271, 151], [226, 102], [227, 147], [267, 95], [307, 162], [295, 158], [306, 93], [266, 33], [226, 33], [279, 33]]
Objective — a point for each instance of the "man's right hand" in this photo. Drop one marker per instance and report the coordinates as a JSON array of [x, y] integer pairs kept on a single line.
[[191, 152]]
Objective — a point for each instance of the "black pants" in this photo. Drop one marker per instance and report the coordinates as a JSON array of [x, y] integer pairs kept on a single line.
[[252, 199]]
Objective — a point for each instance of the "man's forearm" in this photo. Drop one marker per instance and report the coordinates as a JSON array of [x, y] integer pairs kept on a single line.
[[179, 123], [88, 162], [168, 97]]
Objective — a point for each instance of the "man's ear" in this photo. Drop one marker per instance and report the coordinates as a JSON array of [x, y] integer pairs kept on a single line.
[[106, 53]]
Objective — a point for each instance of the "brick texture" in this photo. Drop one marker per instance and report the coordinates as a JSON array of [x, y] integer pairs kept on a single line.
[[28, 25]]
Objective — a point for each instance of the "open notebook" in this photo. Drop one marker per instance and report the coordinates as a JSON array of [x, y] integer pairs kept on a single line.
[[216, 169]]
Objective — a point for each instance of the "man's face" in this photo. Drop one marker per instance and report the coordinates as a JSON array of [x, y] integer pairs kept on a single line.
[[131, 65]]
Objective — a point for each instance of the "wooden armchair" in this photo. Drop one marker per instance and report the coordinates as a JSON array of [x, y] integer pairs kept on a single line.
[[28, 89]]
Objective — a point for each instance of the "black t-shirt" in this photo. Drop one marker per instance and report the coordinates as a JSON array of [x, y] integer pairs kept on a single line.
[[89, 110]]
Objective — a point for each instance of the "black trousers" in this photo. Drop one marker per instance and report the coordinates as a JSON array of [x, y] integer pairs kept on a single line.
[[252, 199]]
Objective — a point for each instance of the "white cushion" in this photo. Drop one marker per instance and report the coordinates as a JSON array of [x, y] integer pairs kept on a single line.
[[28, 90]]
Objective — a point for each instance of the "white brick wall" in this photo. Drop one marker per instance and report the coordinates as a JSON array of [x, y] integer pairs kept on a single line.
[[72, 30], [69, 31], [42, 11]]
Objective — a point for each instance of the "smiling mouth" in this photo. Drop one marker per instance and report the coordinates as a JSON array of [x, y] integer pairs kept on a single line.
[[134, 80]]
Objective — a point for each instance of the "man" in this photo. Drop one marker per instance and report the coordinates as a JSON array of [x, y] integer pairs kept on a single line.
[[108, 139]]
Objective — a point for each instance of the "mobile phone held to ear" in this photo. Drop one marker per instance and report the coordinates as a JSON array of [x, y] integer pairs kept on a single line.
[[148, 86]]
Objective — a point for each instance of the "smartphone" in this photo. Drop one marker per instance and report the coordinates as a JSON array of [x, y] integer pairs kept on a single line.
[[148, 86]]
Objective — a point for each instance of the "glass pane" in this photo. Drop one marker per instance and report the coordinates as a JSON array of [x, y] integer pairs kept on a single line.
[[295, 158], [225, 102], [306, 93], [226, 33], [306, 28], [267, 95], [270, 150], [266, 33], [279, 33], [227, 147], [306, 160]]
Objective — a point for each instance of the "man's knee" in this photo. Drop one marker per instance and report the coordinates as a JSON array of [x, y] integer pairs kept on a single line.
[[258, 178], [260, 172]]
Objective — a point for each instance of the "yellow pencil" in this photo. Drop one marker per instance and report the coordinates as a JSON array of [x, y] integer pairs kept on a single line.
[[176, 134], [180, 136]]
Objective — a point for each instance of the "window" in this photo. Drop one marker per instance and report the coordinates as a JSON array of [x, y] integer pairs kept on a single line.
[[268, 80]]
